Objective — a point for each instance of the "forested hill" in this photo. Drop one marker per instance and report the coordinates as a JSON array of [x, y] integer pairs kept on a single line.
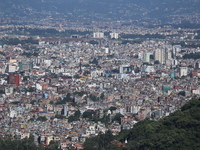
[[97, 10], [180, 130]]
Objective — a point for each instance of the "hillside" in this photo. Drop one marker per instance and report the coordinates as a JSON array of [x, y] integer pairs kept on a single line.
[[97, 10], [180, 130]]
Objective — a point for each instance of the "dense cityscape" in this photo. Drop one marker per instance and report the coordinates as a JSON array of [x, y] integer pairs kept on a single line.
[[69, 81]]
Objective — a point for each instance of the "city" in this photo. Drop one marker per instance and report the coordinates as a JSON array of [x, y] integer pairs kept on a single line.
[[67, 82]]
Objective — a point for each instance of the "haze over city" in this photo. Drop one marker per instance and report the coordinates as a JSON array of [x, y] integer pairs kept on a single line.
[[120, 74]]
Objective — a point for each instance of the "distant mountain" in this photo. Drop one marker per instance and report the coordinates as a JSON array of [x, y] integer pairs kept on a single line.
[[101, 10]]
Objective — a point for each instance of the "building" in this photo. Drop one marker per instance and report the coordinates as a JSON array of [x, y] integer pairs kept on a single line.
[[176, 49], [147, 57], [183, 71], [160, 55], [98, 35], [14, 79], [125, 69], [114, 35]]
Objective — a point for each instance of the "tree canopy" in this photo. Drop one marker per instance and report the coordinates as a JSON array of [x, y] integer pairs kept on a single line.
[[180, 130]]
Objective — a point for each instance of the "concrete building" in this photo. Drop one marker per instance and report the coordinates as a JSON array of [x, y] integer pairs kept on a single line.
[[160, 55], [98, 35], [146, 57], [183, 71], [14, 79], [114, 35]]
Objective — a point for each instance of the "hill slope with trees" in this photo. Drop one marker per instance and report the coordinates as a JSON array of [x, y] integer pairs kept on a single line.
[[180, 130]]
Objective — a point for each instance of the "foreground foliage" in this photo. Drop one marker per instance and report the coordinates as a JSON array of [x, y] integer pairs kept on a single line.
[[180, 130], [8, 143]]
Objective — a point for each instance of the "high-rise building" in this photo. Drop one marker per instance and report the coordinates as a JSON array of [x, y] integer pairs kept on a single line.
[[65, 113], [114, 35], [183, 71], [146, 57], [175, 49], [160, 55], [98, 35]]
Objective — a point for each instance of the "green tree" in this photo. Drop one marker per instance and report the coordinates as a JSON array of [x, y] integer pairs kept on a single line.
[[117, 118], [41, 118]]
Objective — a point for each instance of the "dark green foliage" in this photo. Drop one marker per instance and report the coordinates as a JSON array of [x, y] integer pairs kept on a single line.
[[139, 36], [16, 41], [100, 142], [2, 53], [60, 117], [66, 99], [53, 145], [30, 89], [191, 56], [2, 92], [93, 42], [76, 76], [112, 108], [86, 72], [94, 61], [81, 93], [74, 117], [29, 54], [157, 62], [89, 114], [93, 97], [102, 96], [181, 93], [7, 143], [117, 118], [41, 118], [179, 130]]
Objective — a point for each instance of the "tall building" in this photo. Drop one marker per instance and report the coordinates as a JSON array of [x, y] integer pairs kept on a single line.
[[65, 113], [14, 79], [98, 35], [183, 71], [114, 35], [160, 55], [175, 49], [146, 57]]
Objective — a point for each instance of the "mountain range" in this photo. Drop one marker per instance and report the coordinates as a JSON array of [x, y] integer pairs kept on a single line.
[[101, 10]]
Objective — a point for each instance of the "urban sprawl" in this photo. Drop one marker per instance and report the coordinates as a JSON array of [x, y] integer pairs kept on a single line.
[[71, 88]]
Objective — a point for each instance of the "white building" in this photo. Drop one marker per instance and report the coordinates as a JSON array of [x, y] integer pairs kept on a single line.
[[146, 57], [183, 71], [114, 35], [107, 51], [98, 35], [160, 55]]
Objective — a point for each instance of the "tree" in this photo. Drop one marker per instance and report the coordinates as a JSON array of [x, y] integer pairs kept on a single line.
[[117, 118], [41, 118], [156, 62], [89, 114], [93, 42], [94, 61], [93, 97], [181, 93], [112, 108], [86, 72], [2, 92], [76, 76], [51, 102], [74, 117]]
